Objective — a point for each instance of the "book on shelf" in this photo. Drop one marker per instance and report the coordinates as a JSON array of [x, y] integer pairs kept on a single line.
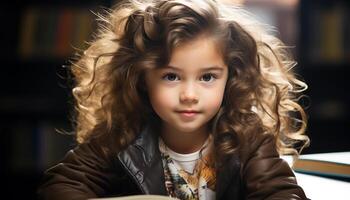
[[138, 197], [327, 40], [332, 165]]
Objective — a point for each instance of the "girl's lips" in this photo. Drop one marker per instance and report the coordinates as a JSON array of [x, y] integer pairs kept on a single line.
[[188, 114]]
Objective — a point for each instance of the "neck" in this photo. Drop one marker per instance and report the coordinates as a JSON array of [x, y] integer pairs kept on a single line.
[[184, 142]]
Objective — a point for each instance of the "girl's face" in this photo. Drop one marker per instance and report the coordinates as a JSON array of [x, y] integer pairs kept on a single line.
[[188, 92]]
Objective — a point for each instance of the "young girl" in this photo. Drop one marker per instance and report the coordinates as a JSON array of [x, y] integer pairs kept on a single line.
[[186, 98]]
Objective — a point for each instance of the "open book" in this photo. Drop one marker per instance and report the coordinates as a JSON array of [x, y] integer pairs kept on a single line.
[[138, 197], [331, 165]]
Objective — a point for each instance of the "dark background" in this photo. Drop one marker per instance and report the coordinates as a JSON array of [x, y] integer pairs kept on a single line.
[[35, 98]]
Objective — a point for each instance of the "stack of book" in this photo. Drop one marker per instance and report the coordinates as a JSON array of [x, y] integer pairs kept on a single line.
[[331, 165]]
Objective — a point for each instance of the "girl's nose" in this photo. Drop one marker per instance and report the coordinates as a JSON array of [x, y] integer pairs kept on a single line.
[[188, 94]]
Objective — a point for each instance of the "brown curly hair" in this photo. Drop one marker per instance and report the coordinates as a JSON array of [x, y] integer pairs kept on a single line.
[[261, 95]]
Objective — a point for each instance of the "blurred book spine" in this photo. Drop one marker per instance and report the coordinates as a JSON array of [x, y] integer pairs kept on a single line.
[[23, 152], [328, 34], [347, 35]]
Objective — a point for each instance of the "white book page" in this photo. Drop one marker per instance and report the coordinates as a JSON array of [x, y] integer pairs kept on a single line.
[[338, 157]]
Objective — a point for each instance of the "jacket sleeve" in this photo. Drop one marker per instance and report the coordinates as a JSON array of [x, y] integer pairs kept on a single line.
[[266, 175], [83, 173]]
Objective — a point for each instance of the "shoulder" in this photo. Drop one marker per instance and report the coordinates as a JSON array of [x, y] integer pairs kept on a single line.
[[86, 171], [261, 146], [264, 173], [258, 154]]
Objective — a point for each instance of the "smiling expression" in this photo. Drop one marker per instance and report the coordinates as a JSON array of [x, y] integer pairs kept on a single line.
[[188, 92]]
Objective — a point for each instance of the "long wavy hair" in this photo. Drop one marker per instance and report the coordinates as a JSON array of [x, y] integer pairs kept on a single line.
[[261, 94]]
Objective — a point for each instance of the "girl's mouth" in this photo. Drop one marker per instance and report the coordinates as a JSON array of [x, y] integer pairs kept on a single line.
[[188, 113]]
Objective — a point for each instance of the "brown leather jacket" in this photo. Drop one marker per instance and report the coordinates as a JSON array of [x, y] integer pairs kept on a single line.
[[86, 173]]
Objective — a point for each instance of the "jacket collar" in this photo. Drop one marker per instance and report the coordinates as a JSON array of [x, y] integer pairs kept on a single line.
[[228, 180], [142, 159]]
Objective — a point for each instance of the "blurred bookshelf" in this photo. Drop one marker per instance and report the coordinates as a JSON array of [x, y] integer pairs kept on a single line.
[[324, 58], [48, 32], [39, 38]]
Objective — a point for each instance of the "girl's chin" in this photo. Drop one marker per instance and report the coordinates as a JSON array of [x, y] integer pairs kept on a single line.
[[189, 129]]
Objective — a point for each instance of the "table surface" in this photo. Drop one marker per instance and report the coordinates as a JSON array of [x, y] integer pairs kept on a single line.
[[321, 188]]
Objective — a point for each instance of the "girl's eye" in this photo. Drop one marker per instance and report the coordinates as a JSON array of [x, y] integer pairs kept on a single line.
[[208, 77], [170, 77]]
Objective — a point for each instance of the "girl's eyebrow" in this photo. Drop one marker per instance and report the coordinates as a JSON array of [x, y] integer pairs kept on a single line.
[[211, 68]]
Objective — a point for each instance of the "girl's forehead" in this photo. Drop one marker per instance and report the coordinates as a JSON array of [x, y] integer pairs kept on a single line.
[[197, 51], [203, 38]]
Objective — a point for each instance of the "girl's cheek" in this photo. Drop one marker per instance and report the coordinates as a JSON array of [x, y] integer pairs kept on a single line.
[[213, 100], [164, 96]]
